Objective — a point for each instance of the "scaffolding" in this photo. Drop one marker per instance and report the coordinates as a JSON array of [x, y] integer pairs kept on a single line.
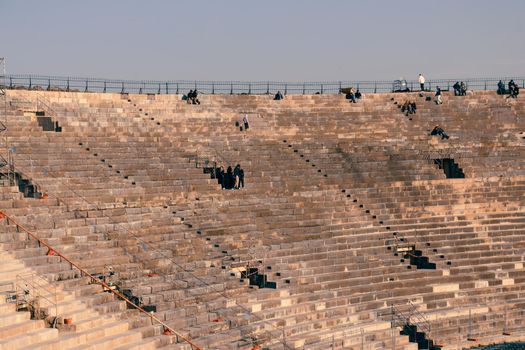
[[7, 169]]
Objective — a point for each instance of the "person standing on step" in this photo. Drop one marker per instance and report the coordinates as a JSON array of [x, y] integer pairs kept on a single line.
[[422, 82], [245, 121], [237, 175], [456, 88], [229, 180], [241, 178], [219, 174], [438, 96], [462, 89]]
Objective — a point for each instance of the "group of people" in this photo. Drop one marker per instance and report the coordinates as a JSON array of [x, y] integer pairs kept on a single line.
[[231, 179], [460, 89], [513, 90], [191, 97], [353, 95], [409, 107]]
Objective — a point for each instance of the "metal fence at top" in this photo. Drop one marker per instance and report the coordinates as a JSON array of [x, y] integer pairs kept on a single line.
[[53, 83]]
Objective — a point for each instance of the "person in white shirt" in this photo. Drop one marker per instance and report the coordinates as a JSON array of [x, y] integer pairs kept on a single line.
[[422, 82]]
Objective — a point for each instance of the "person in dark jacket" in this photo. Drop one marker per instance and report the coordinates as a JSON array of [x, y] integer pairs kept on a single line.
[[462, 89], [229, 180], [501, 88], [438, 131], [219, 174], [237, 175], [457, 88], [439, 100], [241, 178]]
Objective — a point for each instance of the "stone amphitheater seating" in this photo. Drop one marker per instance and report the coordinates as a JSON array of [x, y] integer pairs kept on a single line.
[[332, 190]]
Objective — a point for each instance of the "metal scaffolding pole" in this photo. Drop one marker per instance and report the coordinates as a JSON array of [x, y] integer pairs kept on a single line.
[[6, 156]]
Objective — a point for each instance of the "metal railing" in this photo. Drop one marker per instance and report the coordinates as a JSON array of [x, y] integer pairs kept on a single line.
[[32, 292], [94, 279], [43, 82]]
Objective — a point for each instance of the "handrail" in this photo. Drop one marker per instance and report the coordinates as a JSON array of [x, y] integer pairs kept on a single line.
[[44, 82], [98, 281]]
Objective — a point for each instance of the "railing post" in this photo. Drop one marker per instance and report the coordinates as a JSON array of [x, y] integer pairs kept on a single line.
[[122, 90], [249, 88], [448, 85], [267, 88], [86, 89], [213, 88], [485, 85], [321, 89], [375, 88], [177, 88], [195, 86], [166, 88], [140, 89], [341, 88], [30, 83], [10, 82], [105, 86], [67, 88], [303, 88], [158, 92], [286, 89], [231, 88], [48, 84]]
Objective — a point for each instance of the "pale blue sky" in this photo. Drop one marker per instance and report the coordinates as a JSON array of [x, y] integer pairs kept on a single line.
[[286, 40]]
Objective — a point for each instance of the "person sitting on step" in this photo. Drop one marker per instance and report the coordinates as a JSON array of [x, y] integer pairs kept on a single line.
[[501, 88], [189, 97], [195, 100], [351, 95], [358, 94], [438, 131], [278, 96], [514, 92]]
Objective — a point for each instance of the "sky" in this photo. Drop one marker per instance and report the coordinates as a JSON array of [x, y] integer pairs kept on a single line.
[[286, 40]]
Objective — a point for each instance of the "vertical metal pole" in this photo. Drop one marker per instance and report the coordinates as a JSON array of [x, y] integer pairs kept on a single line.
[[375, 88], [231, 88], [122, 90], [167, 88], [249, 88], [267, 88], [67, 88], [158, 92], [213, 88], [86, 90], [303, 88], [104, 86], [321, 89], [177, 89], [48, 84], [469, 334], [285, 89]]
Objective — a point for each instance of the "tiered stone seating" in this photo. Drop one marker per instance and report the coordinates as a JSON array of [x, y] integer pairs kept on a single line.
[[328, 185]]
